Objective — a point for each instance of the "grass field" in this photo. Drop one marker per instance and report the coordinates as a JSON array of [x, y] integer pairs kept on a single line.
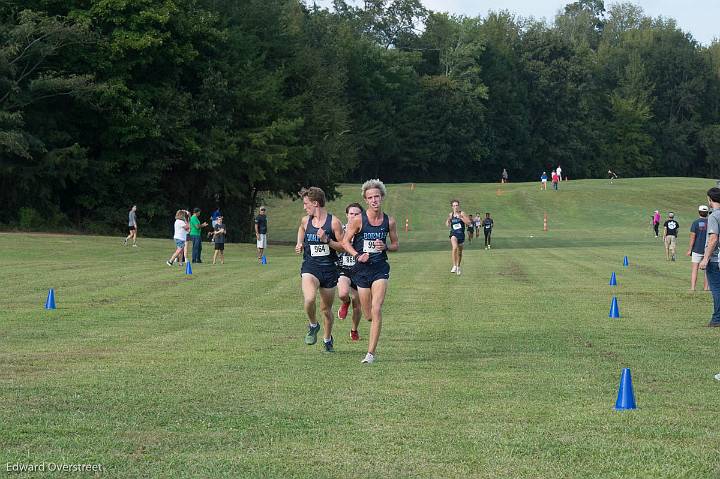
[[510, 370]]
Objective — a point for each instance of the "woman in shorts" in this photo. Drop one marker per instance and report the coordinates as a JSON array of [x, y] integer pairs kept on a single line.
[[181, 231]]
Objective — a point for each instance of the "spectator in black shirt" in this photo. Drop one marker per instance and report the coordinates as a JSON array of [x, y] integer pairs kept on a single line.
[[670, 231]]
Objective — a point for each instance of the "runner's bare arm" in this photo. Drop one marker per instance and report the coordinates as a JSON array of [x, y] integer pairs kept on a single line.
[[394, 243], [692, 242], [351, 230], [337, 229], [301, 234], [712, 240]]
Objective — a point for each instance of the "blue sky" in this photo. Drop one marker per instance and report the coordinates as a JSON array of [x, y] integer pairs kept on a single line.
[[699, 17]]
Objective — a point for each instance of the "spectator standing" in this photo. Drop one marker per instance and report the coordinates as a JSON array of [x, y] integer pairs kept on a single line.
[[504, 177], [196, 236], [543, 181], [710, 258], [214, 216], [261, 232], [696, 250], [656, 222], [555, 180], [219, 240], [559, 173]]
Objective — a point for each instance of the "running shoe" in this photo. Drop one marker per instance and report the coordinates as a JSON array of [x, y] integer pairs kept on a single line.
[[134, 246], [343, 311], [369, 359], [458, 271], [311, 336], [453, 270], [328, 346], [717, 376], [125, 242], [354, 335], [168, 263], [673, 257]]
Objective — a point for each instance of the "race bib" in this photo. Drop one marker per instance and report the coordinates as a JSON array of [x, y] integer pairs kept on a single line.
[[369, 247], [456, 226], [319, 250], [348, 261]]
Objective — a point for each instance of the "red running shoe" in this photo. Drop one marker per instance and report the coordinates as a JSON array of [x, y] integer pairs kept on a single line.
[[354, 335], [343, 311]]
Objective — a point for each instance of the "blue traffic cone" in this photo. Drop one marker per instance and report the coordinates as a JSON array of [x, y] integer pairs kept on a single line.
[[626, 396], [188, 268], [613, 279], [626, 262], [50, 301], [614, 310], [263, 260]]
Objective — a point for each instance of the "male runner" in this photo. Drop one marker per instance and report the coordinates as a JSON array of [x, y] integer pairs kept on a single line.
[[317, 240], [456, 221], [366, 239], [487, 229], [347, 289]]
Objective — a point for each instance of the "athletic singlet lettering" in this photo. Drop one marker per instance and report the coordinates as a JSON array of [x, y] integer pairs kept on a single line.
[[317, 253], [364, 240], [457, 226]]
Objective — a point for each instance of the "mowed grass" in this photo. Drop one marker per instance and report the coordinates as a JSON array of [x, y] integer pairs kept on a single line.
[[510, 370]]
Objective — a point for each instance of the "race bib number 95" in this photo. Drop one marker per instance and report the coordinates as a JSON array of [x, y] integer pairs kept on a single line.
[[369, 247], [457, 226], [319, 250]]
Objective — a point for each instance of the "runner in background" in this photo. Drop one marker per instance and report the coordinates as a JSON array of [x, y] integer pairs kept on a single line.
[[347, 289]]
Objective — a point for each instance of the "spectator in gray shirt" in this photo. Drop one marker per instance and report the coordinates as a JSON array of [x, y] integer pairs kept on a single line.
[[132, 226], [219, 239], [712, 248]]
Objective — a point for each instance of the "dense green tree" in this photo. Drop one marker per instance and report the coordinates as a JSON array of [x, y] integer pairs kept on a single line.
[[182, 103]]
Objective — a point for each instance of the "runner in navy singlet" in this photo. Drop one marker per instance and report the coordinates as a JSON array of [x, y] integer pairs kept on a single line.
[[456, 221], [317, 239], [347, 289], [366, 239]]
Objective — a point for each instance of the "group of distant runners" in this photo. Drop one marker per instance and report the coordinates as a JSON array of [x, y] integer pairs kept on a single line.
[[458, 221]]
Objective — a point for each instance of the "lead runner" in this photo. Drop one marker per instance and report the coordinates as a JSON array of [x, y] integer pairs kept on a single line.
[[366, 239]]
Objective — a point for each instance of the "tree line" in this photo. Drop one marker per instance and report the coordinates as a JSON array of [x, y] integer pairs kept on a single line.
[[182, 103]]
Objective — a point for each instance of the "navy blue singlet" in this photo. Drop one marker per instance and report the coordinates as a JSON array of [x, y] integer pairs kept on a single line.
[[364, 239], [457, 227], [317, 254]]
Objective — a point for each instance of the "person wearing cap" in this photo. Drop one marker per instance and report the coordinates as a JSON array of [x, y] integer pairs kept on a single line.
[[656, 222], [696, 250], [710, 258], [670, 231]]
